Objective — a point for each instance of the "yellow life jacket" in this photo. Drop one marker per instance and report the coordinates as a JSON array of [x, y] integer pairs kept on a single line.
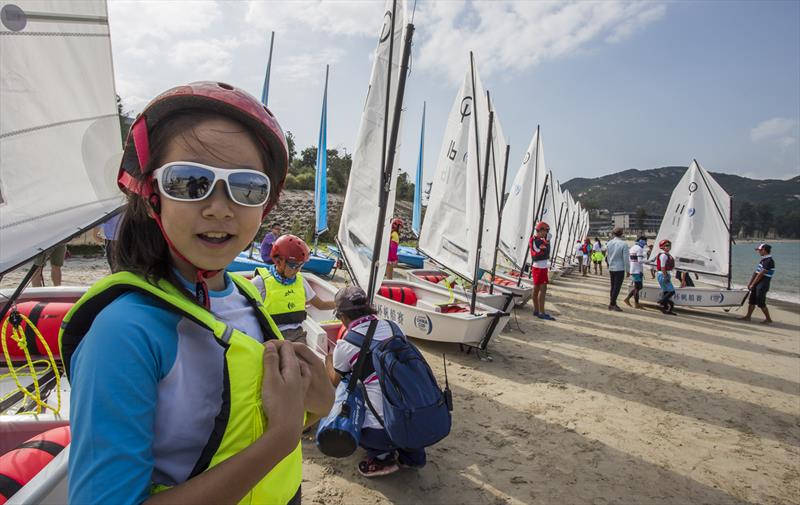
[[286, 303], [244, 421]]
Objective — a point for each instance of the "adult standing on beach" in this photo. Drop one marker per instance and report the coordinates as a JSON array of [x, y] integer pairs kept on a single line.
[[540, 263], [759, 283], [56, 256], [269, 239], [637, 257], [617, 256]]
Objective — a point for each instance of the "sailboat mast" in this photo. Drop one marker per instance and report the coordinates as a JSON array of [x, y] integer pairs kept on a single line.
[[416, 217], [321, 183], [730, 243], [483, 211], [558, 236], [265, 90], [535, 211], [501, 203], [387, 162]]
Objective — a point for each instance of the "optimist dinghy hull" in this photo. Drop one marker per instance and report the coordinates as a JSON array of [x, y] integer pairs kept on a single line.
[[698, 296], [426, 315], [49, 485], [499, 300]]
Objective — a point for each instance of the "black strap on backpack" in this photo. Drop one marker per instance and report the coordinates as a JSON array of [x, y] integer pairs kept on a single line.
[[355, 377]]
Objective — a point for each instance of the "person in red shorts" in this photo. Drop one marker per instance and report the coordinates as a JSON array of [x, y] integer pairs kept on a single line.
[[540, 263]]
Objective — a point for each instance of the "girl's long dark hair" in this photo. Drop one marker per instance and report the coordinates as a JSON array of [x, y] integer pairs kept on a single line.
[[140, 247]]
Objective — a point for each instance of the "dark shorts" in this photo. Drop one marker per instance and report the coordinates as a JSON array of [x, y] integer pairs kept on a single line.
[[539, 276], [758, 295]]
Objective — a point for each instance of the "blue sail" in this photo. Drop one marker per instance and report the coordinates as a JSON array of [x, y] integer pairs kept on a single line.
[[321, 183], [416, 213], [265, 90]]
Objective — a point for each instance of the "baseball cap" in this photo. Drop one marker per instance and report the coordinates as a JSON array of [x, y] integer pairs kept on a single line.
[[350, 298], [764, 247]]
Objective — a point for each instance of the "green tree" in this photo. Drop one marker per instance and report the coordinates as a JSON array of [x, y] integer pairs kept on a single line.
[[290, 145], [405, 188], [746, 219], [765, 217], [305, 181]]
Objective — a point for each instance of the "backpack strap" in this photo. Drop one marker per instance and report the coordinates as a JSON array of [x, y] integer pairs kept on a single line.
[[358, 369], [369, 404]]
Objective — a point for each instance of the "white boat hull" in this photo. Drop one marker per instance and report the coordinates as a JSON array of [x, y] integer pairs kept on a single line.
[[321, 326], [500, 300], [423, 321], [522, 292], [698, 296]]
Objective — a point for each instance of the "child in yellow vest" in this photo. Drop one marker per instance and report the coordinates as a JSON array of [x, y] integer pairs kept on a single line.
[[183, 390], [284, 289]]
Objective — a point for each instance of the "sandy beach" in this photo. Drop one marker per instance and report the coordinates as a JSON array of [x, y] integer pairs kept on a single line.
[[598, 407]]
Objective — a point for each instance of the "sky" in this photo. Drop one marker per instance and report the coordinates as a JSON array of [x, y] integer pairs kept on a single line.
[[614, 85]]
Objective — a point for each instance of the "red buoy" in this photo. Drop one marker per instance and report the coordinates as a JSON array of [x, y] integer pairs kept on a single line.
[[19, 466]]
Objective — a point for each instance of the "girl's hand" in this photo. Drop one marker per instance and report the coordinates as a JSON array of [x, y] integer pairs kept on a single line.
[[320, 393], [283, 388]]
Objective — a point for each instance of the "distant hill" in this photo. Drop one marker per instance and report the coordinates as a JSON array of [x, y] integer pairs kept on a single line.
[[651, 189]]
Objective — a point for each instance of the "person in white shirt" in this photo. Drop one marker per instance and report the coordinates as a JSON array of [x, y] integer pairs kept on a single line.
[[637, 257], [383, 457]]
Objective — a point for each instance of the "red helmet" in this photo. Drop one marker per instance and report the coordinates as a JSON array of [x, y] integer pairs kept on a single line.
[[290, 248], [397, 223], [663, 243], [209, 96], [541, 225]]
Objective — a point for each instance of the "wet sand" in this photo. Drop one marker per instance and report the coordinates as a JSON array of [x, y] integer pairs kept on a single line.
[[598, 407]]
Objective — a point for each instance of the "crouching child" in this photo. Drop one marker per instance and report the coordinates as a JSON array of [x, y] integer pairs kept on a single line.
[[395, 371]]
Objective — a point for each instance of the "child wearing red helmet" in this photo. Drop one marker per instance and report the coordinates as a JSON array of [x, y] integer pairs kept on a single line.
[[284, 289], [540, 263], [665, 263], [182, 384]]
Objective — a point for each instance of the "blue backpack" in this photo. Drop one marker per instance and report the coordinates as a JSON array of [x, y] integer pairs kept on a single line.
[[416, 412]]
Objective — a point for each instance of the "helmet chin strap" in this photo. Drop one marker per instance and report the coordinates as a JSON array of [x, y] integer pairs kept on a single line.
[[200, 286]]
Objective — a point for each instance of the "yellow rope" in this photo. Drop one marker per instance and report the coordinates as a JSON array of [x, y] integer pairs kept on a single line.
[[18, 336]]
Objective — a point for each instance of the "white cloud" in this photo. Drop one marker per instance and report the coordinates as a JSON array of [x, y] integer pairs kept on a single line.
[[212, 57], [513, 36], [353, 18], [780, 129], [308, 66]]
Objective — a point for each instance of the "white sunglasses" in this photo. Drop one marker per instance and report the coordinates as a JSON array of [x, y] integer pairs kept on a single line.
[[187, 181]]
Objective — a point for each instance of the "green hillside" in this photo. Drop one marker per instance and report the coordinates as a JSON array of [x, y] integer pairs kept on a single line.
[[759, 206]]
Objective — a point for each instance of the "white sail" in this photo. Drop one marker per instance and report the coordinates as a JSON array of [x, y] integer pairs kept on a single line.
[[549, 211], [446, 238], [521, 205], [357, 228], [494, 189], [59, 128], [697, 222]]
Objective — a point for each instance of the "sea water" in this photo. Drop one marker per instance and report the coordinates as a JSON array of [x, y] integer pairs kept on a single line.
[[785, 284]]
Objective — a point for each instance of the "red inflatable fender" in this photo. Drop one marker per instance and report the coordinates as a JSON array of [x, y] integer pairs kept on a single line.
[[19, 466], [47, 317]]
